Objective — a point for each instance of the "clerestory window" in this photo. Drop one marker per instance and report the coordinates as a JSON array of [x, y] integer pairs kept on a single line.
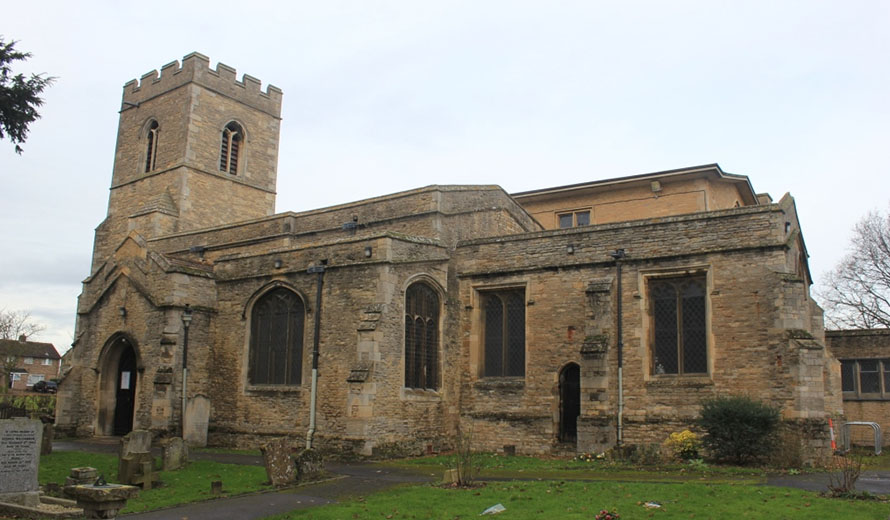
[[231, 148], [679, 336], [504, 336], [421, 337], [276, 339], [865, 378], [574, 219], [151, 146]]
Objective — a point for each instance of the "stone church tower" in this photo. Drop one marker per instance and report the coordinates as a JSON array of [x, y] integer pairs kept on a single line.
[[195, 149]]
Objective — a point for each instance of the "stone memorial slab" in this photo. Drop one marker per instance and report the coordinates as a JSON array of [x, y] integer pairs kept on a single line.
[[174, 453], [46, 445], [19, 459], [309, 464], [280, 466], [197, 417]]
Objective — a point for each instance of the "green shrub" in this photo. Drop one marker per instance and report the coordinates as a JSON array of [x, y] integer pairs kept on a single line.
[[739, 429]]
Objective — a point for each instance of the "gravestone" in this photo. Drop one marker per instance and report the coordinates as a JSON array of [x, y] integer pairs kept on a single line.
[[280, 466], [174, 453], [309, 464], [81, 476], [197, 416], [19, 459], [135, 459], [46, 445]]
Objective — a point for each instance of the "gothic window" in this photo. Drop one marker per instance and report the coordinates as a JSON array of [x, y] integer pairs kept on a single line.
[[421, 337], [504, 325], [276, 339], [151, 146], [679, 335], [230, 149]]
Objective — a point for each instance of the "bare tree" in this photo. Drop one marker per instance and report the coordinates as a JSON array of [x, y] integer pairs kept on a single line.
[[857, 293], [15, 324]]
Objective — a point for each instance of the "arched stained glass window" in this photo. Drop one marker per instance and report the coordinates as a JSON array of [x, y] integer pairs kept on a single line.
[[421, 337], [276, 339]]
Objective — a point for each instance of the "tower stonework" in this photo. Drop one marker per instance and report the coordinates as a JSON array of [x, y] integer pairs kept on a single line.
[[172, 169]]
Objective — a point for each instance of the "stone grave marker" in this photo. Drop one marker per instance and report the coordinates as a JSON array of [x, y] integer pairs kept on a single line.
[[174, 453], [309, 464], [197, 416], [46, 445], [135, 459], [280, 467], [19, 460]]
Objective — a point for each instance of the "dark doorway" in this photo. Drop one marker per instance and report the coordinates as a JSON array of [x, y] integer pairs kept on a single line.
[[125, 393], [569, 402]]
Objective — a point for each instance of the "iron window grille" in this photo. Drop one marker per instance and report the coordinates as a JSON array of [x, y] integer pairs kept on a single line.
[[504, 325], [679, 336], [865, 378], [276, 339], [421, 337], [232, 137]]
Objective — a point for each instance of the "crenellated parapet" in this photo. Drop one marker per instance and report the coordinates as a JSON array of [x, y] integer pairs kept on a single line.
[[196, 68]]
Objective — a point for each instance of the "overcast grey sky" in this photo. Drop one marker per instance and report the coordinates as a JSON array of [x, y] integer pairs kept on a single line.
[[382, 96]]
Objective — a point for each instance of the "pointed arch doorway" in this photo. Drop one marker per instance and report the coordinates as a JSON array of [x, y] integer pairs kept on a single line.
[[569, 402], [117, 388]]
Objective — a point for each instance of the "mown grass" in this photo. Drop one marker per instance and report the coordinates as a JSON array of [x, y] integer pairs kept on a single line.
[[191, 484], [569, 500]]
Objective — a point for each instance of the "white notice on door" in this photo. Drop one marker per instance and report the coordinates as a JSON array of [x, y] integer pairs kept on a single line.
[[125, 380]]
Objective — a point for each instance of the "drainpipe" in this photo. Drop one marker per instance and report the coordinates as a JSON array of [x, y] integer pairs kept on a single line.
[[319, 270], [619, 255], [186, 321]]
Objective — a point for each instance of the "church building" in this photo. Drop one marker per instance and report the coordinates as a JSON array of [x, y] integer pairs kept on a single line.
[[560, 320]]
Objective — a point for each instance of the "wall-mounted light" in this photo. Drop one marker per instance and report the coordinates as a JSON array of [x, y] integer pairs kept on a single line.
[[368, 252], [278, 263], [122, 311], [570, 249]]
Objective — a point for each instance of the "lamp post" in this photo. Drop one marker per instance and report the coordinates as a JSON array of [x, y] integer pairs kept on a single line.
[[186, 321]]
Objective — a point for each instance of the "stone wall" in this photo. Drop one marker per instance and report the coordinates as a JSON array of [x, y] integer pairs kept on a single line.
[[863, 344]]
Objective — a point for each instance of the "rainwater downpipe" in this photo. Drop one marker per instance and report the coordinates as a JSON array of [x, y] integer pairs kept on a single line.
[[319, 270], [619, 255]]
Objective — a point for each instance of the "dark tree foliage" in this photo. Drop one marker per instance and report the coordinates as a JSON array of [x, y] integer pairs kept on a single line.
[[738, 428], [19, 96]]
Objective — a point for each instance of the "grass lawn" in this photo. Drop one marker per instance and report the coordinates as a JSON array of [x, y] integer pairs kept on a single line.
[[191, 484], [567, 500]]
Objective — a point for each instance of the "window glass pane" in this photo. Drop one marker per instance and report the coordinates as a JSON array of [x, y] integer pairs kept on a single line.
[[582, 218], [848, 376], [276, 339], [886, 364], [869, 379], [565, 221], [695, 355], [664, 313], [515, 335], [494, 337]]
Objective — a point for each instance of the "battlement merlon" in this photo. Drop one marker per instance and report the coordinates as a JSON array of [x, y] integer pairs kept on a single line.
[[196, 68]]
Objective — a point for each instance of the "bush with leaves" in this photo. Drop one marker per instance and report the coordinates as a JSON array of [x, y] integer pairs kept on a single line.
[[738, 429], [684, 445]]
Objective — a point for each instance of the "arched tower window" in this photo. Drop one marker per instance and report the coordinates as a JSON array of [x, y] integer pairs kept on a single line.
[[230, 150], [421, 337], [151, 146], [276, 339]]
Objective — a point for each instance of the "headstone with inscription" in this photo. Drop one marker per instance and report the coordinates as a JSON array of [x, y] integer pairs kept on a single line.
[[19, 459], [197, 416], [174, 453]]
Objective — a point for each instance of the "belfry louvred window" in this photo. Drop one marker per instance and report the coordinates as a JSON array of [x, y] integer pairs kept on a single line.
[[230, 148], [276, 339], [679, 335], [421, 337], [504, 315], [151, 147]]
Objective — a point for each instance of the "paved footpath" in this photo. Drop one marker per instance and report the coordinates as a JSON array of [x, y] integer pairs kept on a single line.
[[353, 479], [358, 479]]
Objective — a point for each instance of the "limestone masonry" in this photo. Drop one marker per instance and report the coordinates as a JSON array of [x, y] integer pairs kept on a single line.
[[432, 310]]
